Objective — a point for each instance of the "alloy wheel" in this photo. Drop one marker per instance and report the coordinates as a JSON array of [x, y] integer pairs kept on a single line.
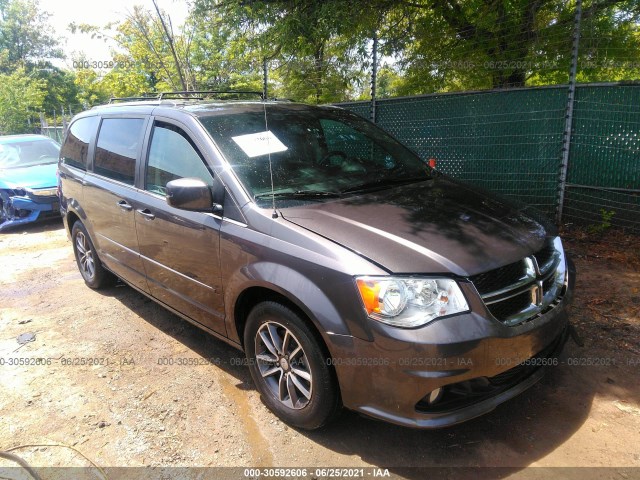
[[85, 256], [283, 365]]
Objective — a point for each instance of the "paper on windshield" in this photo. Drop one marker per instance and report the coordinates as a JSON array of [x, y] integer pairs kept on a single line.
[[261, 143]]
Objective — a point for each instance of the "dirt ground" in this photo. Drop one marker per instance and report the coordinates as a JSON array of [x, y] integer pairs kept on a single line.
[[97, 378]]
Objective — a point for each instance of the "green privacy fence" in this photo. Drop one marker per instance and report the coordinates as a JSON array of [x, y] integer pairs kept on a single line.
[[511, 142], [604, 167]]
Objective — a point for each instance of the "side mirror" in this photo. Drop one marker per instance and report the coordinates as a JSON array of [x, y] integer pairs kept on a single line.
[[190, 194]]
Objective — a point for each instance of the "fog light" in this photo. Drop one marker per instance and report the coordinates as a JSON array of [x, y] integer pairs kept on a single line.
[[435, 396]]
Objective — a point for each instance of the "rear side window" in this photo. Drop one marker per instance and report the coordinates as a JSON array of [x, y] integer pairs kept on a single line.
[[171, 156], [75, 148], [117, 148]]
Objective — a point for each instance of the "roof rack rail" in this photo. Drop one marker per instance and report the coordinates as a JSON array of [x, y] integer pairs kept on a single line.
[[144, 96], [182, 94]]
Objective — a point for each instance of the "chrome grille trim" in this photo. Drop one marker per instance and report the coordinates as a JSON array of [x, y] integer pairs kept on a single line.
[[512, 293], [535, 281], [550, 265]]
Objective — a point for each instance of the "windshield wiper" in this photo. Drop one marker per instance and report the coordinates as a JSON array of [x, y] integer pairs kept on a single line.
[[384, 182], [299, 194]]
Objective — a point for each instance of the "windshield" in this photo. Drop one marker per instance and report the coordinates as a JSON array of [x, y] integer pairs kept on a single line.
[[27, 153], [316, 153]]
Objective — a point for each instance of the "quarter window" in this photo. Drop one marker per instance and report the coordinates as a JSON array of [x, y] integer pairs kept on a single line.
[[117, 148], [75, 148], [171, 156]]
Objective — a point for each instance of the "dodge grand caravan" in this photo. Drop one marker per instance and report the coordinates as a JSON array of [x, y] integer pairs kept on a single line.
[[348, 270]]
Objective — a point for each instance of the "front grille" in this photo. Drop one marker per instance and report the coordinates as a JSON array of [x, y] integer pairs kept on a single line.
[[498, 278], [505, 309], [522, 290]]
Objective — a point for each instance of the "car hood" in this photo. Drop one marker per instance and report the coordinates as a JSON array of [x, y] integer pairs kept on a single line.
[[436, 226], [37, 176]]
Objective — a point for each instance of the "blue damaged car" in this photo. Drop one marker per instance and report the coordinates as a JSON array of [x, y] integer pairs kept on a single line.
[[28, 180]]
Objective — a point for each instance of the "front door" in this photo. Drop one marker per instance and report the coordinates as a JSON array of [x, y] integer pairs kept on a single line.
[[179, 249]]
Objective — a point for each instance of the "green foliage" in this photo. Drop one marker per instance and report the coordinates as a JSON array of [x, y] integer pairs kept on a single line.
[[20, 98], [91, 91], [59, 85], [25, 35], [226, 55], [148, 52], [29, 82], [320, 52], [605, 222], [315, 50], [436, 45]]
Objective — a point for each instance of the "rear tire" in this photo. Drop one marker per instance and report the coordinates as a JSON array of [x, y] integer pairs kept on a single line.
[[289, 367], [91, 269]]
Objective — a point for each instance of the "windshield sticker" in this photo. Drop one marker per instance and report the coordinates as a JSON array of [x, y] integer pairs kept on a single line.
[[261, 143]]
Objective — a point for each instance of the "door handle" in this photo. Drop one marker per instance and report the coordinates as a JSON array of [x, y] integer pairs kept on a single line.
[[146, 213], [124, 205]]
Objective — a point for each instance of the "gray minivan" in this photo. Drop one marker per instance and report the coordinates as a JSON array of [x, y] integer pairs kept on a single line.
[[348, 270]]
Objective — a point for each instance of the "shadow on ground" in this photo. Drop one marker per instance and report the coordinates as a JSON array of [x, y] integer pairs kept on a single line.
[[515, 435]]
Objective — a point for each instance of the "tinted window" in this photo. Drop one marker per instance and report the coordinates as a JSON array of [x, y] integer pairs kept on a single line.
[[74, 150], [117, 148], [172, 156]]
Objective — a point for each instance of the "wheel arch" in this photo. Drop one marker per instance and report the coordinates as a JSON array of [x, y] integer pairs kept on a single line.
[[265, 280], [72, 218], [252, 296]]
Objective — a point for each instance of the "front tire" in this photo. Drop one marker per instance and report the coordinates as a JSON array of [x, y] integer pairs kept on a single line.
[[289, 367], [91, 269]]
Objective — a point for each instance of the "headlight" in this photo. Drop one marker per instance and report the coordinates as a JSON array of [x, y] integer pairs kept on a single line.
[[410, 302]]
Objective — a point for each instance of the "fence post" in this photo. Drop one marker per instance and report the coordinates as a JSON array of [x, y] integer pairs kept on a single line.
[[374, 76], [568, 125]]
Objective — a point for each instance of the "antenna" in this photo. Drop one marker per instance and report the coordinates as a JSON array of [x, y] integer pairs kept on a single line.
[[273, 197]]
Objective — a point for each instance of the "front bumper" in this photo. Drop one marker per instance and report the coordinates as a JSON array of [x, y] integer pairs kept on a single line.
[[18, 210], [391, 377]]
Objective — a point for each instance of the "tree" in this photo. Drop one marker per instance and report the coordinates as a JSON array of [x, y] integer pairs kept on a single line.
[[21, 98], [25, 35], [150, 44], [504, 43], [91, 90], [152, 56], [30, 83], [59, 85], [314, 53], [226, 55], [319, 52], [440, 45]]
